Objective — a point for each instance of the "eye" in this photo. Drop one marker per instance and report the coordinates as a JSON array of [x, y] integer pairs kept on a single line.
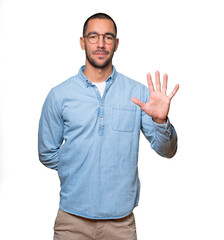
[[93, 36], [108, 37]]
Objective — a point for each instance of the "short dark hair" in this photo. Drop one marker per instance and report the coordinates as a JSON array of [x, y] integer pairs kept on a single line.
[[99, 16]]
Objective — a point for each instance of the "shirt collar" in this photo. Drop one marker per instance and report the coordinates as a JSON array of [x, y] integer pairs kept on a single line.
[[87, 82]]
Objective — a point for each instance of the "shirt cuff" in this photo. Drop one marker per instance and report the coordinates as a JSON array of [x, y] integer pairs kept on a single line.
[[164, 129]]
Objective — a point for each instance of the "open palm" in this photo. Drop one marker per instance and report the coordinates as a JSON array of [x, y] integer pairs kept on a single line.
[[159, 103]]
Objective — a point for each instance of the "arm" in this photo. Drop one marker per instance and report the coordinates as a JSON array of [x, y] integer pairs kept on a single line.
[[50, 134], [163, 137], [155, 123]]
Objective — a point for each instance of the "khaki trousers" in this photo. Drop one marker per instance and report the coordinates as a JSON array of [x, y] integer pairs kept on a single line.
[[71, 227]]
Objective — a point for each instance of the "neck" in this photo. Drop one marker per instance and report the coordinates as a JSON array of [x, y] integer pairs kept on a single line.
[[97, 74]]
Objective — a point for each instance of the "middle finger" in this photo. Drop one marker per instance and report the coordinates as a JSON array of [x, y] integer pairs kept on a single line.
[[158, 84]]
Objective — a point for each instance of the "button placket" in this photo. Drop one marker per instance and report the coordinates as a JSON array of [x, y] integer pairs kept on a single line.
[[101, 129], [101, 102]]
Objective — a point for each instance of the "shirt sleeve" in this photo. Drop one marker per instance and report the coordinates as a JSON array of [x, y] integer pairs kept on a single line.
[[50, 134], [162, 137]]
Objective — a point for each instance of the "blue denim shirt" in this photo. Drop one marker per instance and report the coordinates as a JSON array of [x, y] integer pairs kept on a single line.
[[93, 143]]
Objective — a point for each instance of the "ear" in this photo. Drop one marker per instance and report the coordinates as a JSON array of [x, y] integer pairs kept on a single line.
[[82, 43], [116, 44]]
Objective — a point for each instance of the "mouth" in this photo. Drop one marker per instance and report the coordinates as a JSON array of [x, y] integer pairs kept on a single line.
[[100, 53]]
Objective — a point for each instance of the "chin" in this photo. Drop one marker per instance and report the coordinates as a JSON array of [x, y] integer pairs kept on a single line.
[[100, 64]]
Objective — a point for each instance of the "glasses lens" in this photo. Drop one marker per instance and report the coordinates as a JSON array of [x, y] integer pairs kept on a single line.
[[108, 39], [93, 38]]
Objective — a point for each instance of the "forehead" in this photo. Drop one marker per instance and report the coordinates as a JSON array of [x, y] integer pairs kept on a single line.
[[100, 26]]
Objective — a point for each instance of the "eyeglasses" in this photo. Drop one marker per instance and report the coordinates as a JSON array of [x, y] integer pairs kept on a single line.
[[94, 38]]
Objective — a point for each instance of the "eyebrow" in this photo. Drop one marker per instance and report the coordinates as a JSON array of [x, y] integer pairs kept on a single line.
[[91, 33], [109, 33]]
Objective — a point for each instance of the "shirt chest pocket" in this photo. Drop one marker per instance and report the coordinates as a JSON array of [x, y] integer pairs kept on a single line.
[[123, 118]]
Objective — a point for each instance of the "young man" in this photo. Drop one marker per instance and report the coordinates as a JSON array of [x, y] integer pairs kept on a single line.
[[89, 132]]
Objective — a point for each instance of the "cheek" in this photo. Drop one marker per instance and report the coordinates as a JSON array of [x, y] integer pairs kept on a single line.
[[87, 50], [113, 48], [90, 49], [110, 49]]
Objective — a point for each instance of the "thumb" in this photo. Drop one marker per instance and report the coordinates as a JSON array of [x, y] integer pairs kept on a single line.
[[138, 102]]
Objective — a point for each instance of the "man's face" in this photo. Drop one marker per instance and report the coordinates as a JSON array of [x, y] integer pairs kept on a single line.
[[99, 54]]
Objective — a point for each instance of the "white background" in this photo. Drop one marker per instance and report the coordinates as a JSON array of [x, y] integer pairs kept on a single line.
[[181, 198]]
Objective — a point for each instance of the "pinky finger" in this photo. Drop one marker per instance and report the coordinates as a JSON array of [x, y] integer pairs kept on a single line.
[[174, 91]]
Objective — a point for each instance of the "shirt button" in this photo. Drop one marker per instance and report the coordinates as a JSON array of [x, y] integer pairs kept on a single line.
[[101, 104], [101, 118]]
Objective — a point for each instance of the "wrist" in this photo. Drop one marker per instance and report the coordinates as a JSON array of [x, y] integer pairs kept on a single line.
[[159, 121]]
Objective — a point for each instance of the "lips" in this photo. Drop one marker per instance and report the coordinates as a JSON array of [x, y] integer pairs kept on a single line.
[[100, 52]]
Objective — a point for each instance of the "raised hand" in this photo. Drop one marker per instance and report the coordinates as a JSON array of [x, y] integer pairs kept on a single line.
[[159, 103]]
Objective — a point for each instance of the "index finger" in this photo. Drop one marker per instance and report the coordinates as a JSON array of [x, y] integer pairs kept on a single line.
[[150, 84]]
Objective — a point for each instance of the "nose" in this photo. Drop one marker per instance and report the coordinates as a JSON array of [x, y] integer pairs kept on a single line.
[[101, 42]]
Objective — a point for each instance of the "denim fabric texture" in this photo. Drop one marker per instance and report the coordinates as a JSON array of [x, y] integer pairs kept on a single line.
[[93, 143]]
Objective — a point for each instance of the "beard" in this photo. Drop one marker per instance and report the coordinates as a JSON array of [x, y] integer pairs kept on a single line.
[[94, 63]]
